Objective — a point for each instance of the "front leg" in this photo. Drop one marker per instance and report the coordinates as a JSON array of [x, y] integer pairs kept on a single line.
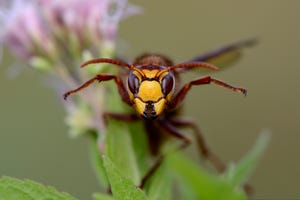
[[104, 77], [201, 81]]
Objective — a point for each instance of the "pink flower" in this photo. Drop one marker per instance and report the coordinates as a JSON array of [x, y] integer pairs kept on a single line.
[[38, 27], [22, 27], [29, 27], [55, 35]]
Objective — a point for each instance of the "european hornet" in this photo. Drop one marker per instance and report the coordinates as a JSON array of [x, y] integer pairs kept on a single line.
[[153, 89]]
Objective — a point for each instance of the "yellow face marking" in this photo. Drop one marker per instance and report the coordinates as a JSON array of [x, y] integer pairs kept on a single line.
[[159, 106], [150, 73], [139, 106], [150, 91], [169, 96]]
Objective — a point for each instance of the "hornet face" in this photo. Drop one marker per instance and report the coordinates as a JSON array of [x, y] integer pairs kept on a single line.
[[150, 89]]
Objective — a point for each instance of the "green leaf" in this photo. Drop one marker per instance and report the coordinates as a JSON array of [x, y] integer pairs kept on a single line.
[[140, 145], [200, 183], [12, 189], [238, 174], [118, 140], [100, 196], [158, 187], [120, 150], [122, 187]]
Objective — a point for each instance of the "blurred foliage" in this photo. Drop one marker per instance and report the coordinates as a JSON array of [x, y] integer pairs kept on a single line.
[[13, 189], [194, 181]]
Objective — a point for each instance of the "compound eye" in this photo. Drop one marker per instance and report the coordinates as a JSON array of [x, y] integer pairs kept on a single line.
[[133, 83], [167, 84]]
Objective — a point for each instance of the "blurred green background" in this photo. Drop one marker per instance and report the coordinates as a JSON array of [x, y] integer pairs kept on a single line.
[[33, 137]]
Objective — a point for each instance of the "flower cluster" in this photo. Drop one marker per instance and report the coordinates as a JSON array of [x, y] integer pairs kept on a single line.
[[55, 36]]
